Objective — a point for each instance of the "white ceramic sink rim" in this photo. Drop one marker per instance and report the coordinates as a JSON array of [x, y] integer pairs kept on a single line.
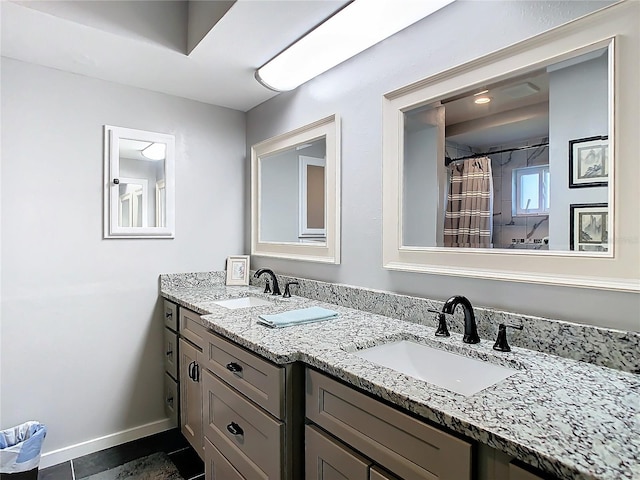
[[242, 302], [457, 373]]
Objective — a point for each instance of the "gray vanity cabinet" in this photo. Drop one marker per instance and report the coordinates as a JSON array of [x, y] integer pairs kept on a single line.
[[252, 414], [403, 445]]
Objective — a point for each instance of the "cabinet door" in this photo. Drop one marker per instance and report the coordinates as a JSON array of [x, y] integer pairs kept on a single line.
[[191, 396], [326, 459]]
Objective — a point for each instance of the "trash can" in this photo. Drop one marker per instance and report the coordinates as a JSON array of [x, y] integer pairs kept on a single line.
[[20, 449]]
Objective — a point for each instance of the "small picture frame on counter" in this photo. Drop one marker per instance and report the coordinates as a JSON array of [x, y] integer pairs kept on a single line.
[[238, 270]]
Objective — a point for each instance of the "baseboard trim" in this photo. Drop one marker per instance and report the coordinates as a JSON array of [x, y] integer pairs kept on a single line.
[[95, 445]]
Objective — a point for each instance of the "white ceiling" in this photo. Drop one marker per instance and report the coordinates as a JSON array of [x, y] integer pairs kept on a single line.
[[144, 43]]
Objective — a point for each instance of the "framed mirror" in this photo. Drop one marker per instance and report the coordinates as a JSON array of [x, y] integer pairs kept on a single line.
[[295, 194], [512, 166], [139, 183]]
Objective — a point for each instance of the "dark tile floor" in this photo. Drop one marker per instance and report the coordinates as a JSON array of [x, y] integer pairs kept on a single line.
[[170, 442]]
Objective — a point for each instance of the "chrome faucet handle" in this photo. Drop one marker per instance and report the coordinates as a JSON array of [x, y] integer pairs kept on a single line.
[[501, 344]]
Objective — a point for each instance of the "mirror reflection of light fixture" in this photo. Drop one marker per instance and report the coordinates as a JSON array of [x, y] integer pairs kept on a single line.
[[155, 151], [482, 100], [358, 26]]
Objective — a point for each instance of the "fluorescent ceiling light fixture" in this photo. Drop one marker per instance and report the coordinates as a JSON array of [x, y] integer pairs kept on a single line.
[[155, 151], [356, 27]]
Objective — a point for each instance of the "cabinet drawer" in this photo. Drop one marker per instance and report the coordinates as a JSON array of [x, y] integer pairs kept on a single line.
[[249, 438], [256, 378], [171, 353], [171, 398], [327, 459], [170, 315], [216, 467], [398, 442], [191, 328]]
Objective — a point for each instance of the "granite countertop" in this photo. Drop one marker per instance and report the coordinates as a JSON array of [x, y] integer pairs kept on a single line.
[[572, 419]]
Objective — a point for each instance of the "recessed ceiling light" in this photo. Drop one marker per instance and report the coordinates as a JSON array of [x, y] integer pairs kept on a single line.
[[356, 27], [482, 100]]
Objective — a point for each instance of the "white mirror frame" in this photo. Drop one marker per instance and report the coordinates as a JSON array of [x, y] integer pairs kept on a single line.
[[618, 269], [112, 136], [329, 252]]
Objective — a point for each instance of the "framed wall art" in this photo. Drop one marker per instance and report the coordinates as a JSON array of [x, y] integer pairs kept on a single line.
[[238, 270], [589, 224], [589, 162]]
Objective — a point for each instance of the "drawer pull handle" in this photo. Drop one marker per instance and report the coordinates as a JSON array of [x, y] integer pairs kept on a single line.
[[169, 353], [235, 429], [170, 401], [234, 367], [194, 371], [168, 314]]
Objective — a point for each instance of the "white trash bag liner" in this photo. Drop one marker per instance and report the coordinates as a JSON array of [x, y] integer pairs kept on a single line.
[[20, 447]]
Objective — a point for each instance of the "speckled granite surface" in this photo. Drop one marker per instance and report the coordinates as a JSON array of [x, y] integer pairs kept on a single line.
[[600, 346], [573, 419]]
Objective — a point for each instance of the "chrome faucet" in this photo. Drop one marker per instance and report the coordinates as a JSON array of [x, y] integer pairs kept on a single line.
[[274, 280], [470, 327]]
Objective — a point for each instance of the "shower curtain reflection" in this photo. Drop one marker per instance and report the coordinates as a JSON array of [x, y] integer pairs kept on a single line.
[[469, 215]]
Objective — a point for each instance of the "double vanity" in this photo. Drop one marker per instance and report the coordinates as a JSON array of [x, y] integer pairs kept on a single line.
[[367, 396]]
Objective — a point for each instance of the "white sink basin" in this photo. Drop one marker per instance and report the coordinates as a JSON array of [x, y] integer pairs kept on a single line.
[[456, 373], [242, 302]]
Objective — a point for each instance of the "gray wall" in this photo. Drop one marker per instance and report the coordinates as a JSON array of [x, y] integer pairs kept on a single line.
[[420, 187], [279, 197], [460, 32], [578, 108], [280, 192], [81, 334]]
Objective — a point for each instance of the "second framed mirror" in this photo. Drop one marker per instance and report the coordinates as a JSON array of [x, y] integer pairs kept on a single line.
[[295, 194]]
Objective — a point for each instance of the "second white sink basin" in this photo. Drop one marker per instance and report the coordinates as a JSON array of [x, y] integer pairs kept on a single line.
[[242, 302], [456, 373]]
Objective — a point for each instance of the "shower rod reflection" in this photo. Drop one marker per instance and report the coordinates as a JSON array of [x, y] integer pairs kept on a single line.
[[448, 160]]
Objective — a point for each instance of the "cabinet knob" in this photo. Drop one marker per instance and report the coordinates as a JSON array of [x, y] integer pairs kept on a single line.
[[234, 367], [116, 181], [235, 429]]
